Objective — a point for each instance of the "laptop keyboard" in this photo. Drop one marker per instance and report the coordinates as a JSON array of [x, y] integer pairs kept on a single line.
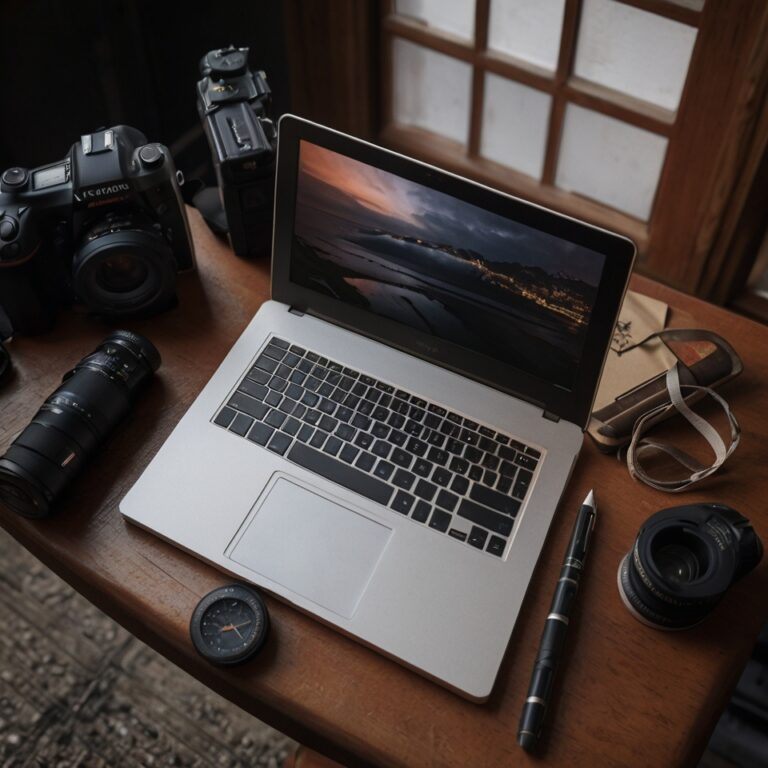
[[442, 470]]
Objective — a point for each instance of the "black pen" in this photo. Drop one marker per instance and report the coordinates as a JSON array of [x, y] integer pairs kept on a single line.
[[556, 628]]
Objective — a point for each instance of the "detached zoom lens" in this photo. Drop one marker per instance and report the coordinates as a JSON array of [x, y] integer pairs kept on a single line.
[[74, 421], [683, 561]]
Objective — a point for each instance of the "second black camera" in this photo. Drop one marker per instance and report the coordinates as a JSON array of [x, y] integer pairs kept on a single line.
[[106, 226]]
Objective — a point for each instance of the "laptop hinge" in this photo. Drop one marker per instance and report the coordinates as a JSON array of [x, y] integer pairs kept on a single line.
[[551, 416], [296, 311]]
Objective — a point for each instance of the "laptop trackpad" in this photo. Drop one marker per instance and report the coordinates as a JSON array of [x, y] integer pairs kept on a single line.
[[311, 544]]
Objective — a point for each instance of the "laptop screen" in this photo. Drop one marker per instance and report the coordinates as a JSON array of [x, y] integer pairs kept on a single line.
[[442, 266]]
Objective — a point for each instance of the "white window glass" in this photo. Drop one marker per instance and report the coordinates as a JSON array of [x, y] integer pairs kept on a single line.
[[431, 90], [633, 51], [454, 16], [610, 161], [527, 29], [515, 125]]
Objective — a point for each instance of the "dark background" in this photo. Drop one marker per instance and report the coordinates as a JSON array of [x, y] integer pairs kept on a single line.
[[68, 68]]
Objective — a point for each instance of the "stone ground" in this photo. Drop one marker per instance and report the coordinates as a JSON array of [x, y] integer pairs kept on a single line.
[[76, 689]]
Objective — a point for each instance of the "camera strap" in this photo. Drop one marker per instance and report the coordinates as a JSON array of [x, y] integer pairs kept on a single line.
[[641, 446]]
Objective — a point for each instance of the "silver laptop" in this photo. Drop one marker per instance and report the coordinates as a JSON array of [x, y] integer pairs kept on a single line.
[[385, 445]]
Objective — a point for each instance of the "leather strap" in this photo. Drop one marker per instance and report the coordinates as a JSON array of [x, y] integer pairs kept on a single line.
[[642, 446]]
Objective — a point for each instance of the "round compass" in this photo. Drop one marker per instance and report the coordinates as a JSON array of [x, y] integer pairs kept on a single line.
[[229, 624]]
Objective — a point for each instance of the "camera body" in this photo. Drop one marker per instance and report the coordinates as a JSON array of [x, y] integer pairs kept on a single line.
[[235, 106], [106, 226]]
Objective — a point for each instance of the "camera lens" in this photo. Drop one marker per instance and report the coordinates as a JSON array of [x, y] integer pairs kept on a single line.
[[74, 421], [683, 561], [124, 267]]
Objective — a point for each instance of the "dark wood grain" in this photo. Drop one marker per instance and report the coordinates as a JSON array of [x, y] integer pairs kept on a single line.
[[629, 695]]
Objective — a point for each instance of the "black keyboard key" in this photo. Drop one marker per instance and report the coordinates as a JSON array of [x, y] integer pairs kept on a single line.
[[495, 500], [397, 438], [297, 377], [273, 398], [380, 414], [265, 363], [490, 462], [291, 426], [310, 399], [486, 432], [259, 376], [401, 458], [278, 342], [442, 476], [471, 438], [365, 461], [283, 371], [487, 445], [507, 469], [440, 520], [279, 443], [456, 534], [496, 546], [502, 439], [241, 424], [297, 350], [323, 361], [432, 420], [385, 387], [305, 366], [295, 392], [380, 430], [447, 500], [325, 389], [312, 383], [423, 467], [248, 405], [385, 400], [346, 383], [419, 402], [360, 421], [436, 409], [403, 479], [338, 396], [349, 453], [351, 401], [517, 445], [533, 452], [381, 448], [438, 456], [260, 433], [436, 438], [507, 453], [489, 519], [402, 394], [459, 465], [340, 473], [299, 410], [344, 414], [489, 478], [425, 490], [417, 414], [224, 419], [364, 440], [504, 484], [359, 389], [460, 485], [291, 360], [367, 380], [525, 461], [396, 420], [400, 406], [402, 502], [312, 357], [477, 537], [365, 407], [335, 367], [450, 429], [305, 433], [417, 447], [372, 396], [259, 391], [384, 469], [475, 472], [344, 431], [522, 483], [333, 378], [454, 417], [318, 439], [275, 419], [287, 405], [328, 423], [413, 427], [421, 511], [332, 445], [473, 425], [454, 446], [319, 372], [327, 406], [473, 454], [351, 373]]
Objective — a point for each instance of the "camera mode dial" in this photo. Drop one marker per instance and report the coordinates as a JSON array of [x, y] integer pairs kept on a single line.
[[227, 62], [13, 178], [151, 156]]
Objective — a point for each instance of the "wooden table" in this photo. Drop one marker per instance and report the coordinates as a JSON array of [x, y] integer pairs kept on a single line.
[[630, 695]]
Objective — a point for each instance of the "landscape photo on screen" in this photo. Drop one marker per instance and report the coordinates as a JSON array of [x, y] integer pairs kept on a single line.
[[443, 266]]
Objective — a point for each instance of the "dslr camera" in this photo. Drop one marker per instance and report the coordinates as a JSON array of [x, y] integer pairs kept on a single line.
[[105, 226], [235, 107]]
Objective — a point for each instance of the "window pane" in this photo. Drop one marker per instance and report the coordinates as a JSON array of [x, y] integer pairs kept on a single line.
[[431, 90], [634, 51], [515, 123], [454, 16], [610, 161], [527, 29]]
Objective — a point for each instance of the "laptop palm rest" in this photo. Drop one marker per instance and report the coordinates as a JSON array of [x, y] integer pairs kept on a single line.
[[311, 544]]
